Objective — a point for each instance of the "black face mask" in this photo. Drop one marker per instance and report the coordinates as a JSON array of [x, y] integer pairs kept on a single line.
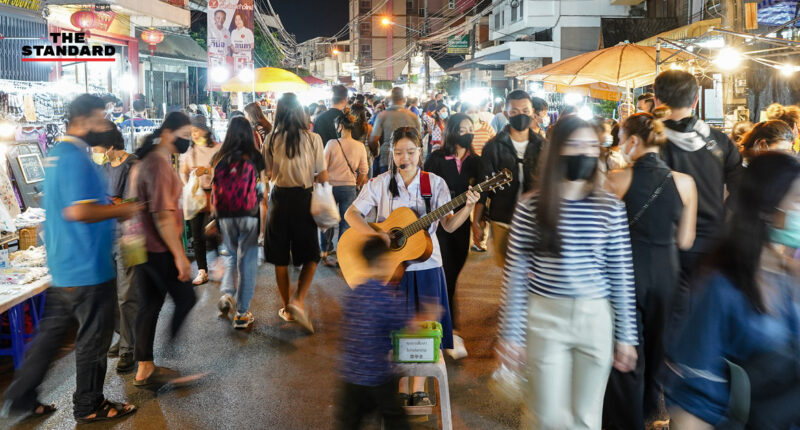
[[465, 140], [520, 122], [181, 144], [94, 138], [580, 166]]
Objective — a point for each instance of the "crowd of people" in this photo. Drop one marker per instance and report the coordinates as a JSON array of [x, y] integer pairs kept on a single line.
[[647, 262]]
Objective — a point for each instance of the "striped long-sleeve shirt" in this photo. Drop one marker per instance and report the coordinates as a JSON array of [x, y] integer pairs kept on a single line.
[[595, 262]]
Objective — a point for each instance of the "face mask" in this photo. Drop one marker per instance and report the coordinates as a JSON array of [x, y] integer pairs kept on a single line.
[[99, 158], [608, 142], [580, 167], [465, 140], [789, 235], [443, 115], [520, 122], [474, 117], [181, 144], [545, 121]]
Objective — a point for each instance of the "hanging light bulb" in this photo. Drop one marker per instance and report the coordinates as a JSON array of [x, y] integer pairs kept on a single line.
[[219, 73], [728, 59], [246, 75], [787, 69]]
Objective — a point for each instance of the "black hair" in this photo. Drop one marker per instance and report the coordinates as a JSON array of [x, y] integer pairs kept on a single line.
[[347, 120], [339, 94], [412, 134], [676, 88], [84, 106], [539, 104], [173, 121], [220, 10], [764, 183], [373, 249], [771, 131], [360, 113], [112, 138], [553, 170], [451, 132], [139, 105], [239, 144], [430, 106], [360, 98], [516, 95], [290, 121]]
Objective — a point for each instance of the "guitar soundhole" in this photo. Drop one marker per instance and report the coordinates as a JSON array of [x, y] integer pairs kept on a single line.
[[398, 239]]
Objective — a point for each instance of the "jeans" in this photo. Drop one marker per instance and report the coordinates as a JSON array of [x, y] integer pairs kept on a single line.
[[154, 280], [240, 236], [93, 307], [356, 402], [344, 196]]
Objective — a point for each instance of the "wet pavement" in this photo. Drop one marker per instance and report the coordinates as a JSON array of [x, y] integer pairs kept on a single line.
[[275, 376]]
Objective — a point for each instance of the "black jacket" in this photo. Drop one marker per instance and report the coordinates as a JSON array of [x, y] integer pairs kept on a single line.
[[499, 154], [713, 161]]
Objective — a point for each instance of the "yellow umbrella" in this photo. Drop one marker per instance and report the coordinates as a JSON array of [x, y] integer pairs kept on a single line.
[[597, 90], [267, 79], [627, 65]]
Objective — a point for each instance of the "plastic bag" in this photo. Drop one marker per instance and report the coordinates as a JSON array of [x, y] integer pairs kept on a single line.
[[133, 244], [323, 206], [194, 198]]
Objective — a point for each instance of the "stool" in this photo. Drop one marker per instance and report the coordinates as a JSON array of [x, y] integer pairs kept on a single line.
[[16, 323], [438, 371]]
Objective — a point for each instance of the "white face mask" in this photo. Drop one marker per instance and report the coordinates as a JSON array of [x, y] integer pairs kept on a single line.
[[545, 121]]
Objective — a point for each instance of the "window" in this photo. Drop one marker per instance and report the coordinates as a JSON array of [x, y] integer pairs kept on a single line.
[[366, 51], [513, 14], [409, 7], [497, 21], [365, 29], [365, 4], [521, 3], [503, 18], [451, 4], [544, 35]]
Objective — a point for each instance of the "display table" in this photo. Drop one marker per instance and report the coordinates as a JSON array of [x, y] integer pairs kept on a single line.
[[13, 299]]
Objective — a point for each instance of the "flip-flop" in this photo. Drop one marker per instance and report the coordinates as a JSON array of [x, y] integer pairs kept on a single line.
[[285, 315], [301, 317], [101, 413]]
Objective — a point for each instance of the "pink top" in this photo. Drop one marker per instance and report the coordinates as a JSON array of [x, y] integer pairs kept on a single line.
[[459, 161], [339, 173]]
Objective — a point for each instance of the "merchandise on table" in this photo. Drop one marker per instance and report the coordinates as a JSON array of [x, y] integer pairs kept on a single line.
[[32, 257], [21, 276], [30, 218]]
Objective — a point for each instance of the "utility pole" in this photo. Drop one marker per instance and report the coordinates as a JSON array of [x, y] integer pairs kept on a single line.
[[732, 19]]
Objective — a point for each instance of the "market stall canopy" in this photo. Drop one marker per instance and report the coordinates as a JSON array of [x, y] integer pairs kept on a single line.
[[313, 80], [691, 31], [267, 79], [777, 12], [597, 90], [176, 47], [627, 65]]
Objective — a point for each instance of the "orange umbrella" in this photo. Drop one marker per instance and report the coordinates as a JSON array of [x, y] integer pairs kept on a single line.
[[626, 65]]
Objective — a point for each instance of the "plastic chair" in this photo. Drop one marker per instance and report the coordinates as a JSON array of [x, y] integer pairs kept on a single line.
[[438, 371]]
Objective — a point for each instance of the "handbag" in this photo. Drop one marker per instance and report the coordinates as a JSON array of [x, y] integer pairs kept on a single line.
[[353, 171]]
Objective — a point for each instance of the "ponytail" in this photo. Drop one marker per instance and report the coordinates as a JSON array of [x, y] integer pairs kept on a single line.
[[172, 122]]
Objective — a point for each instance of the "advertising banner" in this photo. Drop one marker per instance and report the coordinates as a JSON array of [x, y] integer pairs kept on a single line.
[[230, 39]]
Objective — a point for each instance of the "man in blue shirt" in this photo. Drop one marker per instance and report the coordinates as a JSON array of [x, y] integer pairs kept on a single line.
[[79, 234]]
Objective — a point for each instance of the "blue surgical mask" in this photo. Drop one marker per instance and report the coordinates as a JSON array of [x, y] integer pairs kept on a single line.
[[609, 140], [789, 235]]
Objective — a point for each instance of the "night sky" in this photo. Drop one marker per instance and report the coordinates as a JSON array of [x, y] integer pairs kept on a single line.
[[307, 19]]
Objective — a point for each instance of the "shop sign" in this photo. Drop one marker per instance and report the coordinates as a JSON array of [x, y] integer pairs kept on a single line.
[[68, 46], [103, 20], [22, 4], [230, 39], [458, 44]]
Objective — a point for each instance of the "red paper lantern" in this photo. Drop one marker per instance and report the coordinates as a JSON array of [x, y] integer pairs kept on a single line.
[[83, 19], [152, 37]]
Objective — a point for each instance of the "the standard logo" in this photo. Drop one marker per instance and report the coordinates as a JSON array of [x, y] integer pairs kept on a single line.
[[68, 47]]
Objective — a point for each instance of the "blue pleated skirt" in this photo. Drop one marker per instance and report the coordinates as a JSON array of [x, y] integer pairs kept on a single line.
[[429, 284]]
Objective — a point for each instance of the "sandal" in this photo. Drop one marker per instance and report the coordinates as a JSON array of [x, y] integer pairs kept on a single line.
[[285, 315], [102, 411], [301, 317], [161, 376]]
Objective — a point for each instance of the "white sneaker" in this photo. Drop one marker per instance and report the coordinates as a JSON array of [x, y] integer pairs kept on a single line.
[[459, 351]]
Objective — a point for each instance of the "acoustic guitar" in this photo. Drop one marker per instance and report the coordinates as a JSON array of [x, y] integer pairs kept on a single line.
[[410, 240]]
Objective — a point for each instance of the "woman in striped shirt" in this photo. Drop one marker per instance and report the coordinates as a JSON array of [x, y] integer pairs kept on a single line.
[[569, 299]]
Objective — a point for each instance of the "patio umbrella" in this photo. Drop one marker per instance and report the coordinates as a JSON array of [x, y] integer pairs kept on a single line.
[[313, 80], [597, 90], [267, 79], [627, 65]]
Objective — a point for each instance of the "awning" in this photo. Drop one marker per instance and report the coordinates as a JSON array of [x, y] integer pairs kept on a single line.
[[176, 47], [313, 80], [493, 61], [695, 29], [777, 12]]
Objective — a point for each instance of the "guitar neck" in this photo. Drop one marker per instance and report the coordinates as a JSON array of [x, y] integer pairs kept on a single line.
[[425, 222]]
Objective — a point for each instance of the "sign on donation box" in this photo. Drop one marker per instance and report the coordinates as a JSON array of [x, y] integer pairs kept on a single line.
[[418, 345]]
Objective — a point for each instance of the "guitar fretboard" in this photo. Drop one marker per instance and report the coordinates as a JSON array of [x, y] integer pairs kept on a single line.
[[425, 222]]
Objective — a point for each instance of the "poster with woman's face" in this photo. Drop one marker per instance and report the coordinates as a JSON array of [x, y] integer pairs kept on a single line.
[[230, 37]]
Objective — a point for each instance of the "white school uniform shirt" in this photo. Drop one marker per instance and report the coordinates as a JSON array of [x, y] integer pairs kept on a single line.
[[376, 195]]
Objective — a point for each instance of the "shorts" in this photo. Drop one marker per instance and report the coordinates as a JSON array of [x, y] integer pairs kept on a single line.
[[291, 231]]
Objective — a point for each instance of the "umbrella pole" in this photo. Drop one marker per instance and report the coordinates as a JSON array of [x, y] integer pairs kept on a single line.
[[658, 58]]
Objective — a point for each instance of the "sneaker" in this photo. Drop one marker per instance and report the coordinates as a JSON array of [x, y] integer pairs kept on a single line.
[[243, 321], [126, 362], [202, 278], [459, 351], [330, 261], [420, 398], [477, 248], [225, 305]]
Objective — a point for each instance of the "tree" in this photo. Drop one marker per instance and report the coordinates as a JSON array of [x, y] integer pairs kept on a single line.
[[451, 85], [266, 54]]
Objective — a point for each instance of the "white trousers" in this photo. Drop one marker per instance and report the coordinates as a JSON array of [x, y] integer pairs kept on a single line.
[[570, 352]]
